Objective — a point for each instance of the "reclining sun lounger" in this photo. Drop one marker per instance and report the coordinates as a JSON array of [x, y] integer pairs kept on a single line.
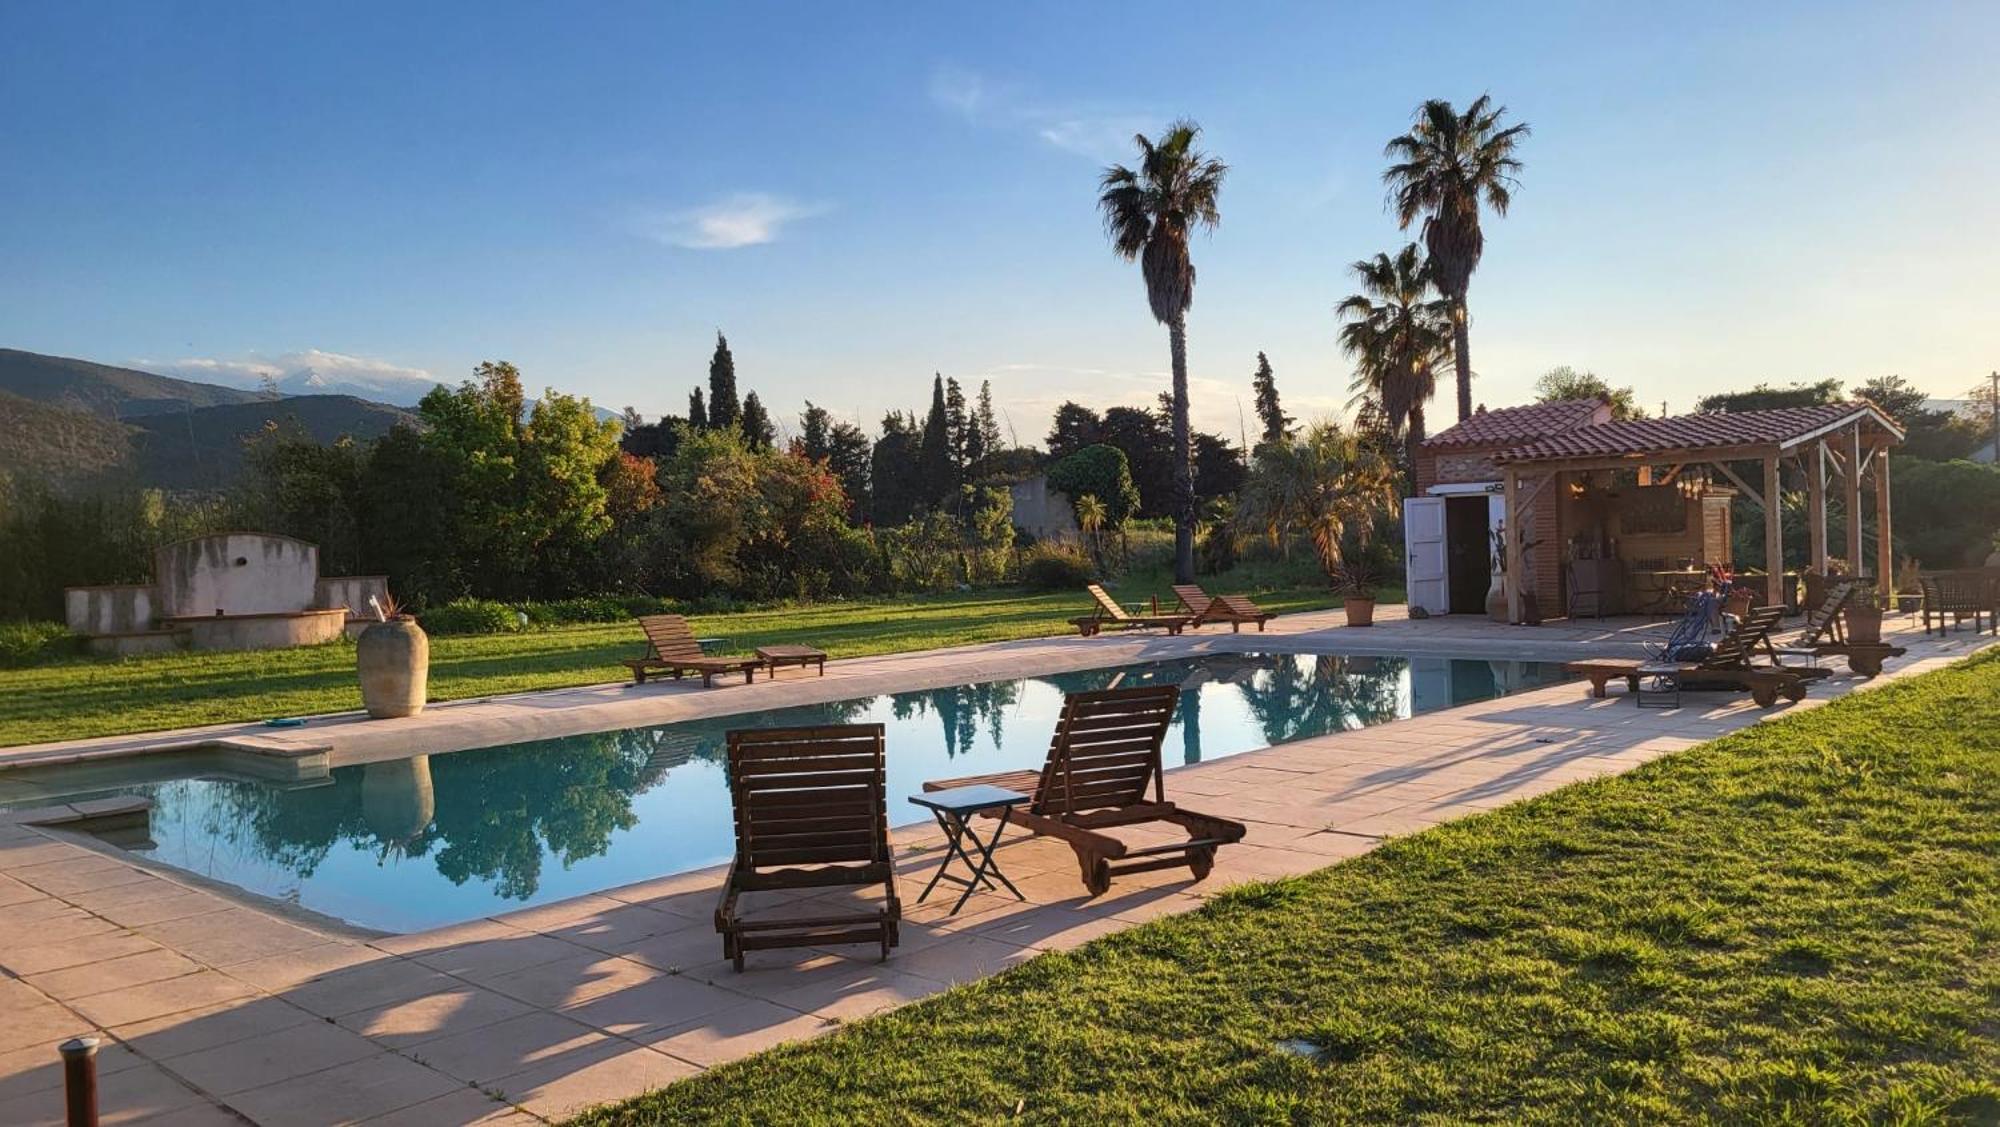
[[1826, 635], [1233, 609], [810, 813], [1103, 761], [671, 648], [1109, 615], [1728, 664]]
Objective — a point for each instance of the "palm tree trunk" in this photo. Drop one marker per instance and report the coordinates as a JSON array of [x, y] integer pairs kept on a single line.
[[1413, 440], [1183, 455], [1461, 347]]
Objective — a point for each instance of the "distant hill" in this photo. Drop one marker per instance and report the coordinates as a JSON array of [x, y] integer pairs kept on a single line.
[[39, 442], [203, 449], [100, 389]]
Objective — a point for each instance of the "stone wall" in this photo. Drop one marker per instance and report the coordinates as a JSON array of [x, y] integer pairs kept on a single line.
[[351, 592], [235, 573], [1043, 512], [122, 609]]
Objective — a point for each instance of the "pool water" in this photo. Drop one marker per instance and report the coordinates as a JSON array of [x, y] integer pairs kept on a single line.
[[434, 840]]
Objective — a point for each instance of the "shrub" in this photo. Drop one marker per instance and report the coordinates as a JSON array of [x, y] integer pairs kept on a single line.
[[1102, 472], [22, 643], [471, 616], [1051, 566]]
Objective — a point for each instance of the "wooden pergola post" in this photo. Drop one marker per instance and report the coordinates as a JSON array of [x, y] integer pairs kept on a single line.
[[1510, 529], [1774, 535], [1854, 565], [1815, 466], [1885, 552]]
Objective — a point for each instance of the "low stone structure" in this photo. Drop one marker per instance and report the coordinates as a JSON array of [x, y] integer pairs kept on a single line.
[[230, 591]]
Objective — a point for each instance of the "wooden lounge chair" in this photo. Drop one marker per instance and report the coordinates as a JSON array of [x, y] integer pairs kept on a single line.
[[1233, 609], [810, 813], [671, 648], [1110, 615], [1731, 663], [1826, 635], [1103, 761]]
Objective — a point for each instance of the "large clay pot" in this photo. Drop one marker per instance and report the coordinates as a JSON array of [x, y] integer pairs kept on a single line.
[[394, 661], [1864, 620], [1361, 612]]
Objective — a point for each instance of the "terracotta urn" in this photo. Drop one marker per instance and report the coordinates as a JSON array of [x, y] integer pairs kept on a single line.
[[1864, 620], [1360, 612], [394, 661]]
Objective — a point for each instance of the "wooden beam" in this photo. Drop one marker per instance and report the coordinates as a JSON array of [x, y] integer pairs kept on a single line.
[[1852, 455], [1885, 550], [1743, 485], [1774, 536], [1673, 473], [1816, 506], [1510, 528]]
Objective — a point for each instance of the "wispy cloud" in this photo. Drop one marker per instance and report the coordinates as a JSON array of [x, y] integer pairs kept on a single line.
[[311, 371], [746, 219], [1099, 132]]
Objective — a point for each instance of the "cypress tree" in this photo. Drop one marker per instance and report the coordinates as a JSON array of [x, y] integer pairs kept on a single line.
[[984, 422], [935, 457], [697, 412], [723, 410], [1277, 424], [758, 432], [960, 425]]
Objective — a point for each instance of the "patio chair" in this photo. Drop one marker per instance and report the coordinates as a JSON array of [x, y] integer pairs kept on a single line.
[[810, 813], [671, 647], [1110, 615], [1233, 609], [1730, 663], [1825, 634], [1953, 595], [1104, 760]]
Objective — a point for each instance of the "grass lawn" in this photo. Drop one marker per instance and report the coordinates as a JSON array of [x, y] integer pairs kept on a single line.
[[82, 697], [1797, 923]]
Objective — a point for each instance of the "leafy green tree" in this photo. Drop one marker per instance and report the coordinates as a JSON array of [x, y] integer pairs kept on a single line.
[[1327, 485], [1276, 423], [1444, 166], [849, 459], [304, 488], [1936, 435], [1397, 334], [564, 450], [1149, 213], [697, 410], [652, 440], [723, 408], [894, 474], [1764, 397], [1146, 439], [1565, 382], [758, 430], [406, 527], [1219, 469], [815, 425], [1098, 471], [1076, 427], [474, 431]]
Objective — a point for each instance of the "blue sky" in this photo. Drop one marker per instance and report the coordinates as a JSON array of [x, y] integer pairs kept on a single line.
[[860, 195]]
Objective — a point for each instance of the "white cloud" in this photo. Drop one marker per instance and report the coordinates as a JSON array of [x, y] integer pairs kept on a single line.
[[743, 220], [1098, 133], [312, 371]]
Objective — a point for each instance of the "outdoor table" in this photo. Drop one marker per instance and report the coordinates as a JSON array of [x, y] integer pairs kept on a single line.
[[801, 656], [1665, 692], [954, 810]]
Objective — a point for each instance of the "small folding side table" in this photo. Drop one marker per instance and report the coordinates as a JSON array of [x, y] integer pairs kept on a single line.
[[954, 810]]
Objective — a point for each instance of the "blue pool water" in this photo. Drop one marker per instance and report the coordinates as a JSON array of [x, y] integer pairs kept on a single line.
[[440, 839]]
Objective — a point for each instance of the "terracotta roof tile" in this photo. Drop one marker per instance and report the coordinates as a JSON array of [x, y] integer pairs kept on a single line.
[[1684, 432], [1519, 424]]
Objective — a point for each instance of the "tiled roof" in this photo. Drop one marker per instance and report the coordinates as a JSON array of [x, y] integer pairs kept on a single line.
[[1518, 424], [1686, 432]]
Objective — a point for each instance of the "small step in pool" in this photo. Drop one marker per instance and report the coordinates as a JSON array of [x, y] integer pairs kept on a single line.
[[433, 840]]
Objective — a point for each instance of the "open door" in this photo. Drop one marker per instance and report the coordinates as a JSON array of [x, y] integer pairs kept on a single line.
[[1423, 554]]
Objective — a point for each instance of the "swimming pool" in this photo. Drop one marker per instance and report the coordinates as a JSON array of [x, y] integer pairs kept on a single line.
[[434, 840]]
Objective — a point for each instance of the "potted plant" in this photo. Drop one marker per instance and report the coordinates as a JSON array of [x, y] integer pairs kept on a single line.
[[1864, 617], [1496, 596], [393, 659], [1356, 580]]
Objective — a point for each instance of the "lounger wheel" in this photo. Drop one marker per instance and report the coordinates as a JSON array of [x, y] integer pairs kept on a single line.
[[1202, 862], [1795, 693], [1764, 695], [1866, 665], [1097, 876]]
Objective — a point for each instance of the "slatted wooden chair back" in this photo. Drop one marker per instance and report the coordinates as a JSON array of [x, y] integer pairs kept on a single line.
[[1827, 613], [1106, 750], [1107, 607], [670, 637], [808, 797], [1193, 597], [1735, 649]]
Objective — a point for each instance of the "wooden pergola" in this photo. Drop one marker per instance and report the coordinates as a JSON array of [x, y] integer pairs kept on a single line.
[[1842, 445]]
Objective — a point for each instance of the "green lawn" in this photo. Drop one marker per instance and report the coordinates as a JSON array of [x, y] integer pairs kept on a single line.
[[77, 698], [1797, 923]]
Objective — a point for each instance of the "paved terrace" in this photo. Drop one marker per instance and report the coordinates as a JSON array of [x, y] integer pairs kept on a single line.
[[218, 1010]]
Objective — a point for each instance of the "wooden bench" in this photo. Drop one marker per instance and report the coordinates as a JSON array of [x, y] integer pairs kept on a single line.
[[1952, 596]]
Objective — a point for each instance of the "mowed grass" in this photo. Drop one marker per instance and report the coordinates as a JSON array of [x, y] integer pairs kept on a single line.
[[82, 697], [1797, 923]]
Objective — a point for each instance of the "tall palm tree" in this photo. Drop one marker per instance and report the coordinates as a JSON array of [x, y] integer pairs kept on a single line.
[[1444, 166], [1148, 213], [1397, 332]]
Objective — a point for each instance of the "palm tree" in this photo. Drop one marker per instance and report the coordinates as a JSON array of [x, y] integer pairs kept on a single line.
[[1090, 517], [1324, 485], [1444, 166], [1397, 333], [1148, 214]]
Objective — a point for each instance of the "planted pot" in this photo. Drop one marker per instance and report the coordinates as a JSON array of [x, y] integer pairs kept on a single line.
[[1360, 612], [393, 659], [1864, 622]]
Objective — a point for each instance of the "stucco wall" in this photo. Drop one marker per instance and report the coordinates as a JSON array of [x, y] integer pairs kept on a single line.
[[108, 610], [234, 573], [351, 592], [1044, 512]]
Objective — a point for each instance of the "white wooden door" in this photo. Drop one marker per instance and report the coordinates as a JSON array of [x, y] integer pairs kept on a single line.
[[1423, 554]]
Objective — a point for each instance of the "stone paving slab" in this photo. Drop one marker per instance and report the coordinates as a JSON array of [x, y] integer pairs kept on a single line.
[[214, 1010]]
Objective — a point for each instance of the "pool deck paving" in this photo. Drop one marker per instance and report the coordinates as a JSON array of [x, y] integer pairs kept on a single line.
[[215, 1008]]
